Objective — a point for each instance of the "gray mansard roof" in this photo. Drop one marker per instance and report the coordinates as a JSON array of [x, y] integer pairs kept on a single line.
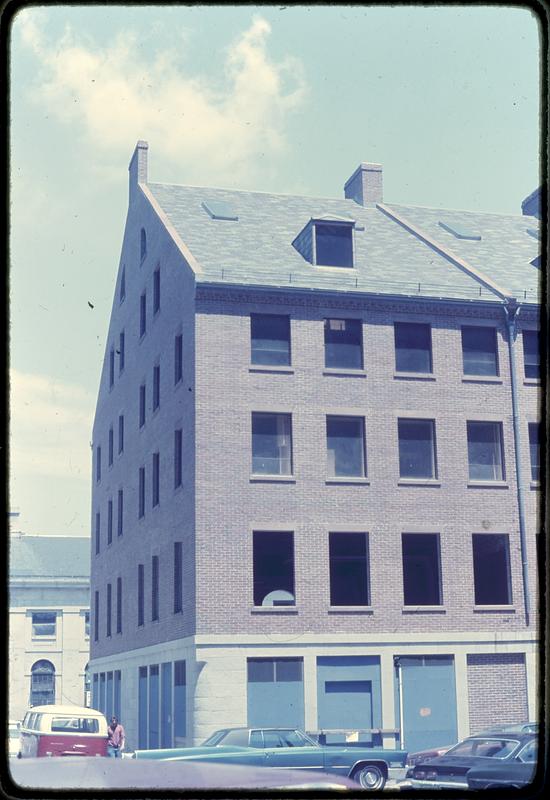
[[400, 250], [49, 556]]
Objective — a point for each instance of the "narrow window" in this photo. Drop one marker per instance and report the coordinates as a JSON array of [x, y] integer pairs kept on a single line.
[[44, 624], [479, 350], [119, 605], [417, 454], [156, 290], [96, 616], [178, 457], [98, 463], [87, 624], [413, 347], [344, 343], [273, 567], [271, 444], [143, 314], [270, 339], [534, 450], [141, 594], [110, 522], [485, 452], [156, 479], [178, 358], [155, 588], [156, 386], [345, 447], [142, 244], [111, 367], [97, 532], [109, 605], [122, 292], [121, 353], [333, 245], [120, 512], [349, 569], [531, 354], [120, 433], [141, 493], [142, 405], [178, 577], [491, 569], [111, 445], [421, 569]]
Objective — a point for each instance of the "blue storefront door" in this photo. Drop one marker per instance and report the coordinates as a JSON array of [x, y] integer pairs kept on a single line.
[[429, 701]]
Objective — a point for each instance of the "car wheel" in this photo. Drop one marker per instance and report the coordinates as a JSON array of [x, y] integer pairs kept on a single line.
[[369, 776]]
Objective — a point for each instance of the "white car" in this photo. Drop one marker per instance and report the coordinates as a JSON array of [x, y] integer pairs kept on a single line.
[[13, 739]]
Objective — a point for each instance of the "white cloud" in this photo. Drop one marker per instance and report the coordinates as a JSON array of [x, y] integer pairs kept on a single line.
[[113, 97]]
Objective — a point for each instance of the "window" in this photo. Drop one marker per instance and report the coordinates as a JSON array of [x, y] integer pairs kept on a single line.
[[141, 493], [531, 354], [110, 521], [111, 367], [121, 353], [349, 569], [273, 567], [274, 670], [142, 244], [122, 290], [155, 588], [413, 347], [44, 623], [119, 605], [421, 569], [74, 725], [270, 339], [271, 444], [156, 479], [141, 594], [109, 608], [178, 577], [491, 569], [121, 433], [479, 350], [534, 450], [417, 454], [96, 616], [98, 463], [87, 624], [142, 405], [111, 446], [485, 454], [178, 457], [333, 245], [143, 314], [156, 290], [345, 447], [178, 358], [343, 343], [42, 684], [120, 512], [97, 532], [156, 386]]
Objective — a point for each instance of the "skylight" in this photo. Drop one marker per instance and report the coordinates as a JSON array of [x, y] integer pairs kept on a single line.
[[219, 209], [459, 231]]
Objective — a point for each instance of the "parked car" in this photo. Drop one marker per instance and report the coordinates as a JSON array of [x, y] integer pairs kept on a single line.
[[13, 738], [424, 755], [63, 730], [60, 773], [288, 748], [449, 771], [511, 773]]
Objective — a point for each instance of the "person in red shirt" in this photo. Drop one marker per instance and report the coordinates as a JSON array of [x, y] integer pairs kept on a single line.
[[116, 739]]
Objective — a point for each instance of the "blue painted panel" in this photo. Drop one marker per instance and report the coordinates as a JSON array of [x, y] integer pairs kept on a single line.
[[117, 688], [154, 737], [272, 700], [180, 708], [142, 709], [349, 694], [347, 704], [95, 691], [166, 706], [109, 698], [429, 702]]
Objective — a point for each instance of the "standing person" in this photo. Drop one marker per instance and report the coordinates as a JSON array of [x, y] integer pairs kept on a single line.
[[116, 739]]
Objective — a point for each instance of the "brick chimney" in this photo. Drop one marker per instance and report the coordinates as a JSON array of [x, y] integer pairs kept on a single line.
[[365, 185], [138, 165]]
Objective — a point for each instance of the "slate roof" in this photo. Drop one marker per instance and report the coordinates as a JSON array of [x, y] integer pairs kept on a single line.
[[257, 249], [49, 556]]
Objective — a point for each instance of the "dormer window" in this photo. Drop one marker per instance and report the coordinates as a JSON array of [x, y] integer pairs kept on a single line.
[[327, 242]]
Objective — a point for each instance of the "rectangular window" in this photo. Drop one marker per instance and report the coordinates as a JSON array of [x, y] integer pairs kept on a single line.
[[178, 457], [273, 568], [491, 569], [349, 569], [485, 451], [120, 512], [141, 594], [121, 354], [156, 290], [417, 452], [421, 569], [479, 350], [271, 444], [334, 245], [141, 493], [413, 347], [270, 339], [109, 608], [96, 616], [120, 433], [98, 463], [87, 624], [346, 447], [119, 605], [178, 577], [143, 314], [97, 532], [154, 588], [111, 445], [110, 522], [156, 479], [531, 354], [178, 358], [344, 343], [44, 623], [156, 386], [142, 405], [111, 367], [275, 670], [534, 450]]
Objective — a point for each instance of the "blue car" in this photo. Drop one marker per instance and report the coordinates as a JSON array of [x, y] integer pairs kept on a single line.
[[289, 748]]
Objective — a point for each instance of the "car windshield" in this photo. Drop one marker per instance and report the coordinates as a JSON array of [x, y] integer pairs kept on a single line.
[[484, 748], [215, 738]]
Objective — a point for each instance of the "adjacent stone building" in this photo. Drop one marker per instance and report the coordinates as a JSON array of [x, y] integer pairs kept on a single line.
[[316, 469]]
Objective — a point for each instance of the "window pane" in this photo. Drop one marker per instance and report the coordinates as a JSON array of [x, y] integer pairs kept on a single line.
[[348, 569], [43, 623], [479, 350], [333, 245], [491, 569], [261, 670], [413, 347], [485, 451], [271, 444], [421, 571], [345, 447], [531, 354], [416, 448], [343, 343], [288, 669], [273, 567], [534, 450], [270, 339]]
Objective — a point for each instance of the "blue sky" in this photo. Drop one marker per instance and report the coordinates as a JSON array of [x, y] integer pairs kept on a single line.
[[272, 98]]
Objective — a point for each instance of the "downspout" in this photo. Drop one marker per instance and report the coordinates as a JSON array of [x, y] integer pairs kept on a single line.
[[397, 664], [511, 311]]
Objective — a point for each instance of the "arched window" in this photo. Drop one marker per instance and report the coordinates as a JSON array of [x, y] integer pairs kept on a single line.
[[143, 244], [42, 683]]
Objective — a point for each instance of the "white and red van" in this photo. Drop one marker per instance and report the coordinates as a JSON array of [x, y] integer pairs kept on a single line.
[[63, 731]]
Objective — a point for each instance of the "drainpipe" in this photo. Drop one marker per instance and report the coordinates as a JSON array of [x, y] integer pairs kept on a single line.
[[397, 665], [511, 311]]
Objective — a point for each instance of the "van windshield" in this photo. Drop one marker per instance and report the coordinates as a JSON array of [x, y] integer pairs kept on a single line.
[[75, 724]]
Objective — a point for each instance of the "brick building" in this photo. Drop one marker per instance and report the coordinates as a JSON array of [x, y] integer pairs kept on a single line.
[[316, 469]]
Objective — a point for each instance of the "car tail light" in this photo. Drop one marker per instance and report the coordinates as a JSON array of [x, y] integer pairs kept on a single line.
[[420, 774], [431, 775]]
